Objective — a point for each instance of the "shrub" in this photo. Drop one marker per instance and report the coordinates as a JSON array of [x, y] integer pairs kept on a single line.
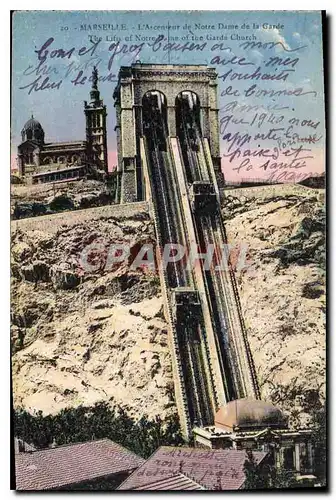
[[85, 423]]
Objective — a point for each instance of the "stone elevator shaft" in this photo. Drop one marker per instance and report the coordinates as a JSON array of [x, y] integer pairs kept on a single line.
[[168, 154]]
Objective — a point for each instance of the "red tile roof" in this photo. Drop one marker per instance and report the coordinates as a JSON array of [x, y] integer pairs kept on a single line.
[[177, 482], [71, 464], [208, 468]]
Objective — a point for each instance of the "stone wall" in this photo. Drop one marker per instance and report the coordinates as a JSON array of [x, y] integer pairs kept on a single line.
[[54, 223], [274, 190]]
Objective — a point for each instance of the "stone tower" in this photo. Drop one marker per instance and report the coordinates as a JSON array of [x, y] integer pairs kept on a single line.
[[95, 115], [170, 80], [168, 154], [29, 150]]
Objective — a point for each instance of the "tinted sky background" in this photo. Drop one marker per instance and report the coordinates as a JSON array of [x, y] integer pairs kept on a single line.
[[60, 111]]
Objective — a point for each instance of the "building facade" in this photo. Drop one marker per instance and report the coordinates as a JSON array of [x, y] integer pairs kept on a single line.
[[260, 426], [40, 161]]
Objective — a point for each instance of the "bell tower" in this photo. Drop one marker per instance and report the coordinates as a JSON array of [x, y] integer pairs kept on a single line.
[[95, 115]]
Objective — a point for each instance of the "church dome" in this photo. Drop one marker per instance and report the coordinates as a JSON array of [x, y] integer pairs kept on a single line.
[[33, 131], [249, 414]]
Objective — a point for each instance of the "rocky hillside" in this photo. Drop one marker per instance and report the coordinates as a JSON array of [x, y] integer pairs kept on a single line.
[[282, 289], [82, 337], [42, 199]]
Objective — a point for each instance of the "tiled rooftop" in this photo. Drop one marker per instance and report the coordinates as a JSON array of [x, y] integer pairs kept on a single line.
[[177, 482], [71, 464], [210, 469]]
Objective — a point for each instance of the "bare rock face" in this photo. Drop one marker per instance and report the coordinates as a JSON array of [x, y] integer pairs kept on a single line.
[[79, 337], [41, 199], [64, 278], [282, 290]]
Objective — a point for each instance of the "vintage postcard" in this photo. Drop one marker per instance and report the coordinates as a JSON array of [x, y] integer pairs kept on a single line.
[[168, 250]]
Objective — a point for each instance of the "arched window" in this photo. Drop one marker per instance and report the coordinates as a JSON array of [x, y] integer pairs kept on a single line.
[[188, 130], [154, 117], [187, 106]]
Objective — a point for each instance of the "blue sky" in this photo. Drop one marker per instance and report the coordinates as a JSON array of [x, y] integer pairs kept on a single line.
[[60, 111]]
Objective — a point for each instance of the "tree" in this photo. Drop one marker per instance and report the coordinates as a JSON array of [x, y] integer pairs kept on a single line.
[[83, 423], [320, 443], [266, 476], [255, 477]]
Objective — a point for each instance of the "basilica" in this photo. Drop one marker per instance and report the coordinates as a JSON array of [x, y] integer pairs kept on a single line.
[[40, 161]]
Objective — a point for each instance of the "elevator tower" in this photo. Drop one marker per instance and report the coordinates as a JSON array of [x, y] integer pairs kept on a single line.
[[170, 80]]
